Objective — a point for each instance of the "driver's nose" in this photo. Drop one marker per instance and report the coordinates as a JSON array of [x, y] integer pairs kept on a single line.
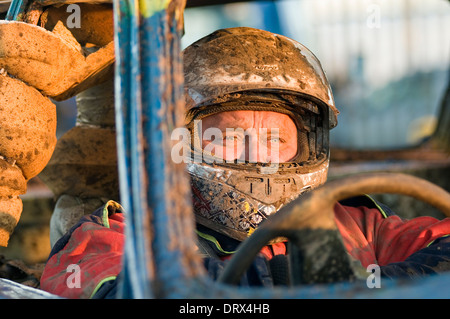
[[255, 151]]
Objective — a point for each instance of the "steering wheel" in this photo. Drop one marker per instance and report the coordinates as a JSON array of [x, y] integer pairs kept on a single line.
[[312, 214]]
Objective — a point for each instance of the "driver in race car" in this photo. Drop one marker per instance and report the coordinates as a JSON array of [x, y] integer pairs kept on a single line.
[[259, 109]]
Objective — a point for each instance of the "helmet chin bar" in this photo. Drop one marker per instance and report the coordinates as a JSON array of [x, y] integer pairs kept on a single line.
[[235, 200]]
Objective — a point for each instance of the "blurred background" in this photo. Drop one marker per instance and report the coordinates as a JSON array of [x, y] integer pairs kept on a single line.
[[387, 61]]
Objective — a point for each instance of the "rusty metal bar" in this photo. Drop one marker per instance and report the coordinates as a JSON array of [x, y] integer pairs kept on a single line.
[[154, 190]]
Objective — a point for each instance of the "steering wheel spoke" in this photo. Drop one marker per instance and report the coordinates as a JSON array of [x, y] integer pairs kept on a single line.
[[319, 256]]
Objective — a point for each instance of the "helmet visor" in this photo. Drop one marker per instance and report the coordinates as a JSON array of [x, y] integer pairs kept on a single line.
[[292, 133]]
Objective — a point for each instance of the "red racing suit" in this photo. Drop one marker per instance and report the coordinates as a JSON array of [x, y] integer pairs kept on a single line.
[[370, 232]]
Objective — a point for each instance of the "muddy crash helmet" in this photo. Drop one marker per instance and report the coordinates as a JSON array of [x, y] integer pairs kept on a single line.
[[250, 69]]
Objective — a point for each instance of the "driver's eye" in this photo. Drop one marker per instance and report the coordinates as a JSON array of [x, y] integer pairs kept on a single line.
[[274, 140]]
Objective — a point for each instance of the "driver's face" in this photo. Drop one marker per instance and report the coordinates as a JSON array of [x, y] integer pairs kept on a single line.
[[255, 136]]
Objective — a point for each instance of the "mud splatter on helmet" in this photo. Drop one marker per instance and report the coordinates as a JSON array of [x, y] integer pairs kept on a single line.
[[250, 69]]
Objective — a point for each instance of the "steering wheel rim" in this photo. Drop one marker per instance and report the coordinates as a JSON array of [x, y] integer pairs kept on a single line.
[[315, 210]]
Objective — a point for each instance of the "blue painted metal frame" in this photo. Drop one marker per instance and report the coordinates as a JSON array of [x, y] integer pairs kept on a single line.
[[147, 88], [128, 106], [16, 7]]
